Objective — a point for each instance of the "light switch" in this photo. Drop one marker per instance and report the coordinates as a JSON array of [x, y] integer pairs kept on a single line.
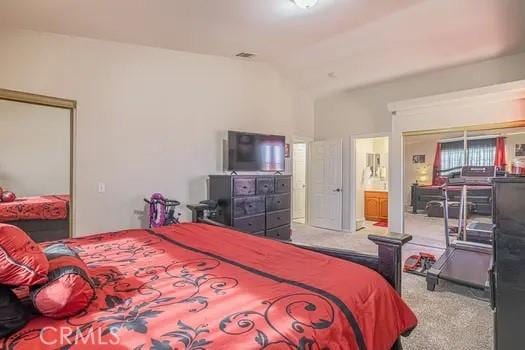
[[101, 187]]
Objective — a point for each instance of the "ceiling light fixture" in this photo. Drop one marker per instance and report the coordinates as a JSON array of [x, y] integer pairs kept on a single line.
[[305, 4], [245, 55]]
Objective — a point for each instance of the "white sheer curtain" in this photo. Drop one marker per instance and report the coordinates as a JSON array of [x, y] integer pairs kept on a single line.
[[480, 152], [452, 155]]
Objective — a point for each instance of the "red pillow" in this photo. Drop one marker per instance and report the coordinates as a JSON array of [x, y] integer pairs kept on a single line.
[[69, 289], [22, 262]]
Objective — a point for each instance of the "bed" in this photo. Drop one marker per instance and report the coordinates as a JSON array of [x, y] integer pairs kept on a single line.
[[199, 286], [44, 218], [479, 196]]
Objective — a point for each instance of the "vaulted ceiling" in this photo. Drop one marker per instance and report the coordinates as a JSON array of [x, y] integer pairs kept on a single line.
[[339, 44]]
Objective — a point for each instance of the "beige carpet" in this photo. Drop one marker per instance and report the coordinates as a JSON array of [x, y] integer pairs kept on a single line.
[[450, 318]]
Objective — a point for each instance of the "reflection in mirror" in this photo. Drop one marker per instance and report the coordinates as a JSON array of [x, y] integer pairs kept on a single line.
[[35, 169], [431, 160], [375, 162]]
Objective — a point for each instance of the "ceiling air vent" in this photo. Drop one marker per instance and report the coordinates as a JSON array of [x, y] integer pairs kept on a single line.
[[245, 55]]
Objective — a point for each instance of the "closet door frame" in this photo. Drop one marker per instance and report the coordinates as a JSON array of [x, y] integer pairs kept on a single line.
[[49, 101]]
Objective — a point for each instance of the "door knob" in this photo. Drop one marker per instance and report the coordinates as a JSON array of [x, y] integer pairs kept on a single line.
[[337, 190]]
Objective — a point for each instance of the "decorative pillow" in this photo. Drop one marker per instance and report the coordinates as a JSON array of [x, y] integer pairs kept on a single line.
[[69, 289], [22, 262], [13, 315]]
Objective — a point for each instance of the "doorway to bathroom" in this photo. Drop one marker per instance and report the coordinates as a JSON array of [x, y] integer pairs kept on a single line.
[[371, 183]]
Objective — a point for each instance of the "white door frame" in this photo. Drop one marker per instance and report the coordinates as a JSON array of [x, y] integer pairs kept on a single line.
[[353, 156], [306, 140]]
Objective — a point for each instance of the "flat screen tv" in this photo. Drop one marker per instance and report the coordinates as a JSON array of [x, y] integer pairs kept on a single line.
[[255, 152]]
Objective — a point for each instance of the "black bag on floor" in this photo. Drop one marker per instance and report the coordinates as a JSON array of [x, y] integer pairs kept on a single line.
[[434, 209], [13, 315]]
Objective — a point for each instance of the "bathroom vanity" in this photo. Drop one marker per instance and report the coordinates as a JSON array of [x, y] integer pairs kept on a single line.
[[376, 205]]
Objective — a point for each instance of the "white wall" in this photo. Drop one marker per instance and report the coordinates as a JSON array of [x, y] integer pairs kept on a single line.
[[364, 111], [510, 142], [422, 172], [148, 119], [34, 149]]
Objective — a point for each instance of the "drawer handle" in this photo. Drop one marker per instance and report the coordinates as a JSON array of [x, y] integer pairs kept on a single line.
[[278, 202], [265, 186], [278, 218], [249, 205], [249, 224], [244, 187]]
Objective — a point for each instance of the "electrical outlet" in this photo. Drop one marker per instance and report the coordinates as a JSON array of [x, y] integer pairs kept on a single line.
[[101, 187]]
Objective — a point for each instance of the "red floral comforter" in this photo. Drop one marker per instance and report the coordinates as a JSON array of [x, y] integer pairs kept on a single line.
[[198, 287], [53, 207]]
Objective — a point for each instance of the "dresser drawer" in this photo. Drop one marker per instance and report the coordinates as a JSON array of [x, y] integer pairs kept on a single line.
[[277, 218], [265, 185], [245, 206], [283, 185], [282, 232], [243, 186], [278, 202], [250, 224]]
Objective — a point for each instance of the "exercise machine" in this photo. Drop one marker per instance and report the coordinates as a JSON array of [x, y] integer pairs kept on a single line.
[[465, 261], [205, 212]]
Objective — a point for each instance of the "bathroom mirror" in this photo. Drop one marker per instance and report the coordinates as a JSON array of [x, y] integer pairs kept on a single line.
[[373, 162]]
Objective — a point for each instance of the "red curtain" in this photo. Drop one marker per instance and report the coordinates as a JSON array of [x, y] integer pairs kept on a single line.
[[500, 160], [436, 178]]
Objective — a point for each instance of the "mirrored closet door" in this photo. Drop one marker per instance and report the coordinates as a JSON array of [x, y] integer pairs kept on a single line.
[[433, 158], [36, 164]]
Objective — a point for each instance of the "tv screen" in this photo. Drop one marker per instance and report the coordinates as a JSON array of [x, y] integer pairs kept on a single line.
[[255, 152]]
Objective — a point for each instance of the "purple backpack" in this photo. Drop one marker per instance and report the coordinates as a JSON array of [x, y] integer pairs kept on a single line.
[[162, 211], [157, 210]]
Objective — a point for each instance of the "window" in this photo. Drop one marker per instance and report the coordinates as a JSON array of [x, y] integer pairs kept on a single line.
[[480, 152], [451, 157]]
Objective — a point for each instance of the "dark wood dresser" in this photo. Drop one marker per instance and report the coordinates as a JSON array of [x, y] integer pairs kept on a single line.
[[508, 277], [256, 204]]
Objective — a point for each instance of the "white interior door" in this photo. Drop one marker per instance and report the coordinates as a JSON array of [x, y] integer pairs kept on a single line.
[[299, 182], [326, 181]]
